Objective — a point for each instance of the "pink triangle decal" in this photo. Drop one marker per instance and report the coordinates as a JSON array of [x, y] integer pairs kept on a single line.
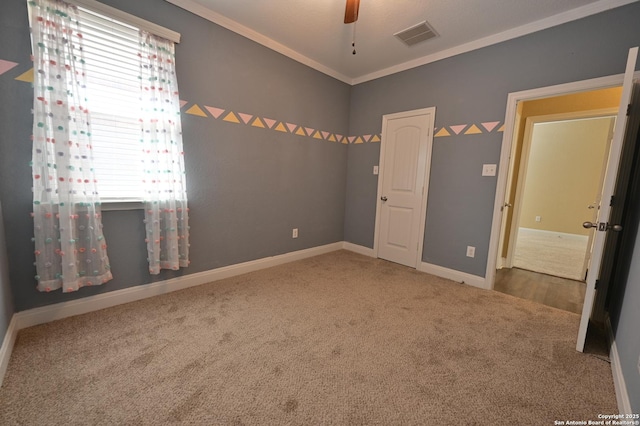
[[245, 117], [351, 139], [490, 125], [182, 103], [366, 138], [309, 130], [6, 66], [291, 127], [458, 128], [216, 112], [269, 122], [325, 134]]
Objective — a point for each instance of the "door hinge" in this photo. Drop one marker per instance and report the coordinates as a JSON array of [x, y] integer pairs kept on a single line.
[[612, 200], [628, 110], [595, 287]]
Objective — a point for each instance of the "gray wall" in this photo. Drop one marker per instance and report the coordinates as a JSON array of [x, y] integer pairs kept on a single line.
[[6, 298], [470, 89], [248, 187], [625, 319]]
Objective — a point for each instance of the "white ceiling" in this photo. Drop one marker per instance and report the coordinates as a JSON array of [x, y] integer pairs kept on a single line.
[[313, 32]]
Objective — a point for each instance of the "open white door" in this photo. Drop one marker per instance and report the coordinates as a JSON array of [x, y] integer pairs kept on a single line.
[[603, 224]]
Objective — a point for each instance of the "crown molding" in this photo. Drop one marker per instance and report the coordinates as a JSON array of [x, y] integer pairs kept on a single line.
[[542, 24], [223, 21]]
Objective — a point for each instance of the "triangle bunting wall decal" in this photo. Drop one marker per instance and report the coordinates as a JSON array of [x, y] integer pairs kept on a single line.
[[258, 123], [196, 110], [490, 125], [458, 128], [231, 118], [216, 112], [6, 66], [246, 118], [27, 77], [473, 130]]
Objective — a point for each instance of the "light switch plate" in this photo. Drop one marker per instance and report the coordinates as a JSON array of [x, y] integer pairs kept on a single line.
[[489, 169], [471, 251]]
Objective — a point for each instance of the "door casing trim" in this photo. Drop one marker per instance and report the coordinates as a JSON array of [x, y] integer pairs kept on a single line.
[[507, 144]]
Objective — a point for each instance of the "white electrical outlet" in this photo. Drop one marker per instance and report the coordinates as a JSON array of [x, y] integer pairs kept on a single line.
[[294, 234], [489, 169], [538, 218], [471, 251], [375, 170]]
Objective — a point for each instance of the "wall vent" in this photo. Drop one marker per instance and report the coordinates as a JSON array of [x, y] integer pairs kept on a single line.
[[416, 34]]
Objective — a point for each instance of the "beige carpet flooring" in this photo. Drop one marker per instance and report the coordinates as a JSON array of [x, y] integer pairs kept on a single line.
[[560, 255], [338, 339]]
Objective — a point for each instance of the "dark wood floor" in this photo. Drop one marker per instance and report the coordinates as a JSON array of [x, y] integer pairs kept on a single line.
[[548, 290]]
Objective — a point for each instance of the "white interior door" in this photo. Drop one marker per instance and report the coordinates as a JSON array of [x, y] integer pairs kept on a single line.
[[595, 206], [405, 156], [607, 192]]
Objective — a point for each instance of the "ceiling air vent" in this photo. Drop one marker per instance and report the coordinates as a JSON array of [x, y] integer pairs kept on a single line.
[[416, 34]]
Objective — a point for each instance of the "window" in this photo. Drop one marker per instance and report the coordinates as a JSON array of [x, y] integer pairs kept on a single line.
[[106, 119], [113, 85], [112, 70]]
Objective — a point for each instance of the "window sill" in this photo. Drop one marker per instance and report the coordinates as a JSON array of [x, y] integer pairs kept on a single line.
[[121, 205]]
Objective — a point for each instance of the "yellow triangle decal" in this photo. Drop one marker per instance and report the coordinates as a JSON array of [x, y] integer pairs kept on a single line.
[[358, 140], [317, 135], [258, 123], [231, 118], [332, 138], [196, 110], [442, 132], [473, 130], [27, 76], [280, 127], [375, 138], [501, 129], [300, 132]]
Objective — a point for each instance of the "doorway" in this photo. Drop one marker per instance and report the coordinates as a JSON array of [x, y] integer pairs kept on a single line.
[[559, 188], [559, 156]]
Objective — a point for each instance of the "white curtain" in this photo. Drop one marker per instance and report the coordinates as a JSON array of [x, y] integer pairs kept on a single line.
[[166, 211], [70, 249]]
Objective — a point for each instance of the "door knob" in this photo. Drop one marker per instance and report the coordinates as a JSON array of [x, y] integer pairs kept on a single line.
[[508, 205], [602, 227], [591, 206], [383, 198]]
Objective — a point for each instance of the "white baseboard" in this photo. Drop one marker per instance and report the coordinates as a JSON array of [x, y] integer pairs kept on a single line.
[[7, 346], [366, 251], [428, 268], [58, 311], [622, 396], [451, 274]]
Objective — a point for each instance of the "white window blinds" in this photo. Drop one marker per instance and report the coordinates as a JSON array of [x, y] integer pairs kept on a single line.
[[113, 87]]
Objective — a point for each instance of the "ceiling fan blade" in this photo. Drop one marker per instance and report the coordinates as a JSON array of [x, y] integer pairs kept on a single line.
[[351, 11]]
